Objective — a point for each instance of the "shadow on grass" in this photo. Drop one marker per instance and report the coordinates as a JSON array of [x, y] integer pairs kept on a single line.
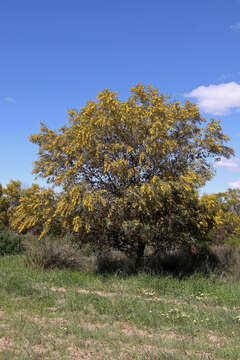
[[177, 263]]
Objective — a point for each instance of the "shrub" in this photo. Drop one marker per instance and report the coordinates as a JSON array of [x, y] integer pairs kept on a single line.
[[178, 262], [113, 261], [181, 262], [49, 253], [10, 243], [229, 258]]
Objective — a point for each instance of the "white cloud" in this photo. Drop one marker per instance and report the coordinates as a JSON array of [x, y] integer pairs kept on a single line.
[[231, 164], [235, 27], [217, 99], [234, 184], [10, 99]]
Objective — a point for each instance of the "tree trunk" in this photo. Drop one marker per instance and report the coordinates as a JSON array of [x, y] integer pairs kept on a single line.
[[139, 254]]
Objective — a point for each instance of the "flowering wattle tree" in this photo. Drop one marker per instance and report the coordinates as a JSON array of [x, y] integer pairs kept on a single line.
[[130, 170]]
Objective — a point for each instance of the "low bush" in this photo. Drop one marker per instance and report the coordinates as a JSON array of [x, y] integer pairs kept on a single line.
[[10, 243], [181, 262], [229, 258], [113, 261], [49, 253]]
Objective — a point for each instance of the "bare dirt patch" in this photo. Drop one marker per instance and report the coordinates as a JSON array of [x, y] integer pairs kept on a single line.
[[89, 352], [131, 330], [217, 341], [61, 289], [40, 349], [5, 344]]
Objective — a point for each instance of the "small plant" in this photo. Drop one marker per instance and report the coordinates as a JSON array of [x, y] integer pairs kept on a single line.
[[233, 241], [49, 253], [10, 243]]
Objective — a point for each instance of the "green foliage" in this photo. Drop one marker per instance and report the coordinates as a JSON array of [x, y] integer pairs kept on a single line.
[[10, 243]]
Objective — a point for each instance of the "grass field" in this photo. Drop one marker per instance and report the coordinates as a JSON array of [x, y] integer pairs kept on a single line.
[[63, 314]]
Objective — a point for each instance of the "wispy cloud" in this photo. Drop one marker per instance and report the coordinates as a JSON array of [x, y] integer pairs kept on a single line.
[[234, 184], [235, 27], [217, 99], [230, 164], [10, 99], [225, 77]]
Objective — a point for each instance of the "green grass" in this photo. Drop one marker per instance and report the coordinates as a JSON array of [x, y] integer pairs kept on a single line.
[[63, 314]]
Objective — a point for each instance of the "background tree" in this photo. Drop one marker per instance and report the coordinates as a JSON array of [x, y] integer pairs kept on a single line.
[[227, 215], [129, 169], [35, 211], [4, 205], [9, 200]]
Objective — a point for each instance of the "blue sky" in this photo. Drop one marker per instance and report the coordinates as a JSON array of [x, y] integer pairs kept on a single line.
[[57, 54]]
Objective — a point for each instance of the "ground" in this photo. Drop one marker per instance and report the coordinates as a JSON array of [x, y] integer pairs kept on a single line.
[[63, 314]]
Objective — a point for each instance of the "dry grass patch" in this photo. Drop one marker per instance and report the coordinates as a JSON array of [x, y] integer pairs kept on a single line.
[[152, 297], [89, 353]]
